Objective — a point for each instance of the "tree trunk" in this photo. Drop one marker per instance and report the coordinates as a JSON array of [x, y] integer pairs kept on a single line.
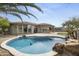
[[76, 34], [2, 32]]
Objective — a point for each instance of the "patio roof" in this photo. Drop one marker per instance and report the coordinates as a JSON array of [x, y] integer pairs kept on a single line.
[[25, 23], [30, 23], [44, 24]]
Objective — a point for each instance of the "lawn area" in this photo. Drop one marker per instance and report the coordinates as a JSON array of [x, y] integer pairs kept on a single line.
[[62, 33]]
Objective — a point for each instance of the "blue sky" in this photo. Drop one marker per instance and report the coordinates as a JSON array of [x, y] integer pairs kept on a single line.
[[54, 13]]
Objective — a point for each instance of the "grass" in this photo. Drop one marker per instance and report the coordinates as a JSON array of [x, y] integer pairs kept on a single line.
[[62, 33]]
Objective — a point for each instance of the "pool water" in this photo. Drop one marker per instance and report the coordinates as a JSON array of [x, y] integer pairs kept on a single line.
[[35, 45]]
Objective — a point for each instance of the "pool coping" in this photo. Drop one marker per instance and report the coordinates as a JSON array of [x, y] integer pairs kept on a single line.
[[18, 53]]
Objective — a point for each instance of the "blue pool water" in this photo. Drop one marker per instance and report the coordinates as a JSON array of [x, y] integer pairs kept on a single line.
[[35, 45]]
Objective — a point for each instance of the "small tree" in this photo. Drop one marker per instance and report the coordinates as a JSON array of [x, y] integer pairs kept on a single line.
[[4, 24], [71, 26]]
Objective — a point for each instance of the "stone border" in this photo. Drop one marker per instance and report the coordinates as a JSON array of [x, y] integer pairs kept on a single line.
[[18, 53]]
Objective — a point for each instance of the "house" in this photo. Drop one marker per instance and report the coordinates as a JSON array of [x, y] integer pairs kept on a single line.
[[28, 27]]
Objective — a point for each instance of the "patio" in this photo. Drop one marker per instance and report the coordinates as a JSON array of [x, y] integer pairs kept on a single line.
[[4, 52]]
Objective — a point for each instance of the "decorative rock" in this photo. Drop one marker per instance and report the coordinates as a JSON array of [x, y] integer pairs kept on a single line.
[[58, 48]]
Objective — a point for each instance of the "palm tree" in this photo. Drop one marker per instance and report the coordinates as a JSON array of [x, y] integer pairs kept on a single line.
[[13, 9]]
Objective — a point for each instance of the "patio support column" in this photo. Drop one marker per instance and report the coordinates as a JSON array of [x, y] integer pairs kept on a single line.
[[17, 29], [22, 29], [32, 29]]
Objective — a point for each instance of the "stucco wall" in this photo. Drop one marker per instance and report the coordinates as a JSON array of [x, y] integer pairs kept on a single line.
[[13, 29], [17, 28]]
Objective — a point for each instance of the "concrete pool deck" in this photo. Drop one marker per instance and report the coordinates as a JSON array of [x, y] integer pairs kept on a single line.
[[6, 53]]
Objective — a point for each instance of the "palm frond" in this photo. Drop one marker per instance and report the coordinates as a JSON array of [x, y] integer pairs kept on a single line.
[[17, 15], [31, 5], [13, 8]]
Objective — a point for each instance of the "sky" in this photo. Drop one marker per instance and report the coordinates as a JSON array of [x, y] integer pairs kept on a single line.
[[53, 13]]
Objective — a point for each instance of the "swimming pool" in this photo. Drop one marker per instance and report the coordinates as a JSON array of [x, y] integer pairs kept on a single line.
[[34, 45]]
